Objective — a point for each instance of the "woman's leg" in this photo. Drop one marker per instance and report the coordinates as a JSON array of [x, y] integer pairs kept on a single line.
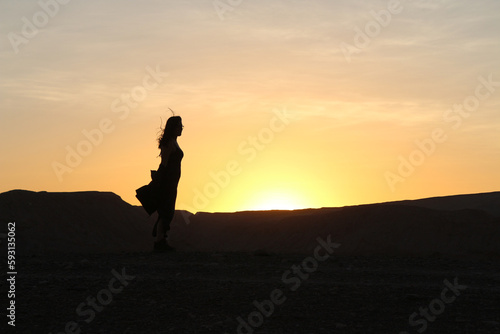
[[166, 214], [160, 230]]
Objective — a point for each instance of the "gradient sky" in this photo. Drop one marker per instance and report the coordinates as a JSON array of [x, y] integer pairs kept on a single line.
[[350, 120]]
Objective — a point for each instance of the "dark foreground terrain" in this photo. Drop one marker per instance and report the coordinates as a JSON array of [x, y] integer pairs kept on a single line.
[[192, 292]]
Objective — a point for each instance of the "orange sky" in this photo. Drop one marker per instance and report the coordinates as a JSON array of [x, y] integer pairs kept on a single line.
[[286, 104]]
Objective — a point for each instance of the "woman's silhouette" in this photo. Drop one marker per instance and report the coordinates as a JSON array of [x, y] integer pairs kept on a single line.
[[167, 178]]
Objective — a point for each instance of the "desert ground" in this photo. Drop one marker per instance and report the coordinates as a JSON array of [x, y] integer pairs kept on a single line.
[[85, 264], [207, 292]]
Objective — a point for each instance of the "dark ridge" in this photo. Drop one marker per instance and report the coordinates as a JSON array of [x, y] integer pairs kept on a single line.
[[91, 221]]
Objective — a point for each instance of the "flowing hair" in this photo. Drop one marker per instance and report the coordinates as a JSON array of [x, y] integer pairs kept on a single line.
[[168, 132]]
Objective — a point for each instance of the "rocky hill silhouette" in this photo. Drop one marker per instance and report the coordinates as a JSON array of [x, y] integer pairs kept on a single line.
[[73, 222], [462, 225], [375, 229]]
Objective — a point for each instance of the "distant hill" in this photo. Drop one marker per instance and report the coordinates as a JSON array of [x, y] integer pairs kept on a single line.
[[464, 225], [74, 222], [487, 202]]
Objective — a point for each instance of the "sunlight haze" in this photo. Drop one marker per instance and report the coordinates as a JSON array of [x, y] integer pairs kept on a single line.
[[286, 104]]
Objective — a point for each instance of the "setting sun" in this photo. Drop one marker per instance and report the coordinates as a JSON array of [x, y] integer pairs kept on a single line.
[[275, 200], [306, 110]]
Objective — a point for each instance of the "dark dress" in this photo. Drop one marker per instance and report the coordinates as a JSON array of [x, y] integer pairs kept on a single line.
[[167, 178]]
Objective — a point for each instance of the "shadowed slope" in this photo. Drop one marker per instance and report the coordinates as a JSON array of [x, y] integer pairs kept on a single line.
[[74, 222], [381, 229], [85, 222], [487, 202]]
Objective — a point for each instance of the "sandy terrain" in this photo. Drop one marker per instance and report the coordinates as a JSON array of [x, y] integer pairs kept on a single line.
[[187, 292], [84, 265]]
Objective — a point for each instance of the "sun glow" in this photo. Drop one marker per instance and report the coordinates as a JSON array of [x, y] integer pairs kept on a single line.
[[275, 200]]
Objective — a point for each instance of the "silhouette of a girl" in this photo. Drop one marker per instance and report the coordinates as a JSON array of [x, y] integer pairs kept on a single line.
[[167, 176]]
